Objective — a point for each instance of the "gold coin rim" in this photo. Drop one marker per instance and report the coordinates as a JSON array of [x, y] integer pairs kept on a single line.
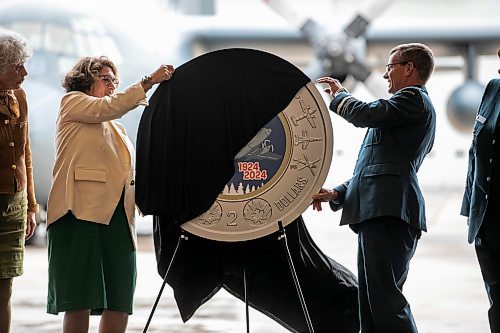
[[299, 207]]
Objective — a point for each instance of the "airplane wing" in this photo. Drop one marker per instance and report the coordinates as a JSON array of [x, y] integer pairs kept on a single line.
[[449, 40], [446, 40]]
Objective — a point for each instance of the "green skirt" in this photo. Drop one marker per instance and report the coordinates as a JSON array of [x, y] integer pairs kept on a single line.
[[91, 266], [13, 214]]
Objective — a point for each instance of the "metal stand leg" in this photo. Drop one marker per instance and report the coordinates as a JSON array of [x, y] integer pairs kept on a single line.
[[294, 276], [246, 299], [181, 238]]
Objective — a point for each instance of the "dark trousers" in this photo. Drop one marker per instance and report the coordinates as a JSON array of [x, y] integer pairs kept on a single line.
[[385, 248], [489, 261]]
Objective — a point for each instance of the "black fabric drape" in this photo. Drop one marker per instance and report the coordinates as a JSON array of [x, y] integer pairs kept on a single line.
[[187, 139], [201, 267], [196, 123]]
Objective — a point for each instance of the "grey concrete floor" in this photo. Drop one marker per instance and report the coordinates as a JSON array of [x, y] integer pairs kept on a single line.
[[444, 286]]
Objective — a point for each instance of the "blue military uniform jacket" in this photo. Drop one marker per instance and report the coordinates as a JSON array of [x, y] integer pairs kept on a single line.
[[400, 134], [477, 186]]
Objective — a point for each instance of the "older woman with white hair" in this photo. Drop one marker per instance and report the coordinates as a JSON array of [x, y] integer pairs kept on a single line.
[[17, 195]]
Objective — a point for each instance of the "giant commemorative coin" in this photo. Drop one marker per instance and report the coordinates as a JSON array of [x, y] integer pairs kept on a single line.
[[276, 173]]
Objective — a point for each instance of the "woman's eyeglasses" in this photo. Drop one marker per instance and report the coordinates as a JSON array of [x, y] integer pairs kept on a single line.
[[108, 80]]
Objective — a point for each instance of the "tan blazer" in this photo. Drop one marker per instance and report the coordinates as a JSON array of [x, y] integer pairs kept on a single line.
[[94, 157]]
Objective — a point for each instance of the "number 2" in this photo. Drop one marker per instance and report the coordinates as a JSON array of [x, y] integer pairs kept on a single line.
[[232, 215]]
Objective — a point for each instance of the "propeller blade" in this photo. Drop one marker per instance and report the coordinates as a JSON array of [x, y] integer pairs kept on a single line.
[[284, 8], [359, 70], [376, 85], [314, 70], [375, 9], [359, 24], [340, 55]]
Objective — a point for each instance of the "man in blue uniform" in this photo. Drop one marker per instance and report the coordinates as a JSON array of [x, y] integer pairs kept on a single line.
[[482, 194], [382, 202]]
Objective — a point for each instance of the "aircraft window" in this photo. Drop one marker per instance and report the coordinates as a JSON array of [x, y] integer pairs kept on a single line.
[[58, 40], [91, 44], [80, 44], [33, 32], [48, 37], [88, 25], [104, 45], [93, 38], [83, 38]]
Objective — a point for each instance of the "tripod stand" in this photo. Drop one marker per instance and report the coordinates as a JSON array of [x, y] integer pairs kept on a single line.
[[283, 240]]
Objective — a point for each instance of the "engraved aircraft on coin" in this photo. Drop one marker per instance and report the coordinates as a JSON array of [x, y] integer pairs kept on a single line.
[[308, 114], [305, 140], [307, 164], [275, 173]]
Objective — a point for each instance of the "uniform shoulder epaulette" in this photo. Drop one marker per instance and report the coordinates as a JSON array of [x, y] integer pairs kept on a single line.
[[412, 91]]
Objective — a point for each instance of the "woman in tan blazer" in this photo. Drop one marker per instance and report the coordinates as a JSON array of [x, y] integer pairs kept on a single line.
[[91, 206]]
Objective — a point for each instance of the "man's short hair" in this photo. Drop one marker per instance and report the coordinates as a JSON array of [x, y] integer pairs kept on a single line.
[[420, 55]]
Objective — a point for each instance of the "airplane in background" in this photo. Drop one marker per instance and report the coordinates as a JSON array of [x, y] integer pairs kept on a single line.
[[351, 41], [167, 32], [59, 35]]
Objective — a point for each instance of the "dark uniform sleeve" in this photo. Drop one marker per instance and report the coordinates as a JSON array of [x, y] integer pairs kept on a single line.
[[404, 107], [341, 189], [468, 184], [471, 170]]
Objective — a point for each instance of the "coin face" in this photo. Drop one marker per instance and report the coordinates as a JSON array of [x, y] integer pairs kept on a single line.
[[276, 173]]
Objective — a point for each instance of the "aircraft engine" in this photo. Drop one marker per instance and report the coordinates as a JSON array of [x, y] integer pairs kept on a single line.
[[463, 104], [338, 54]]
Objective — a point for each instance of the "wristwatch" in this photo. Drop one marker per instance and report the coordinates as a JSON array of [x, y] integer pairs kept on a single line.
[[342, 89], [146, 79]]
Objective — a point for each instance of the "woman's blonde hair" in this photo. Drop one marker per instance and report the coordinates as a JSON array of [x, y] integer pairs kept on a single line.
[[84, 74]]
